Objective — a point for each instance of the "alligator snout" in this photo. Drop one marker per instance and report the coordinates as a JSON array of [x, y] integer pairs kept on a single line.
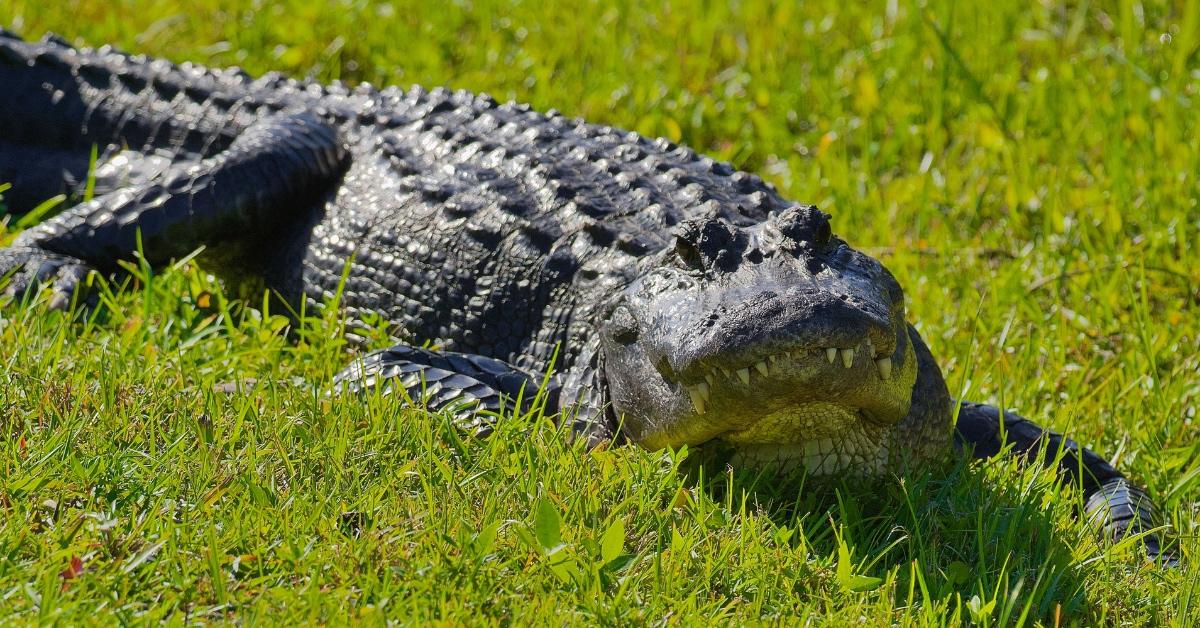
[[797, 325]]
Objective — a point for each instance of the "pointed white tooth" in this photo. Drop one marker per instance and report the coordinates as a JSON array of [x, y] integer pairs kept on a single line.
[[744, 375], [831, 354], [708, 377], [726, 373], [762, 368], [885, 367], [697, 399], [704, 392], [847, 357]]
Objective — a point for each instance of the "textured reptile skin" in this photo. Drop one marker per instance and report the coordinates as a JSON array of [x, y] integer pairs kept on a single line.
[[678, 300]]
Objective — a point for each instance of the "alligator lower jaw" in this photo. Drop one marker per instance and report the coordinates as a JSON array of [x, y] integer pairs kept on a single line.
[[822, 458], [822, 438]]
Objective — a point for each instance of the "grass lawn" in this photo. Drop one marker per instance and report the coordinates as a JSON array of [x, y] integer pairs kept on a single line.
[[1028, 171]]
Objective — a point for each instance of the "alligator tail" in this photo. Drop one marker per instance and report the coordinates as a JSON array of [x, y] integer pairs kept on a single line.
[[1113, 504]]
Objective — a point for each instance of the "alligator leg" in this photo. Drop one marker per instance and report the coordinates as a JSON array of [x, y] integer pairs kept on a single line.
[[36, 173], [473, 387], [273, 167], [1112, 503]]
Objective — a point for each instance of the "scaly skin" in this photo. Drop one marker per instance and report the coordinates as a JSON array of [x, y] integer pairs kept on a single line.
[[678, 300]]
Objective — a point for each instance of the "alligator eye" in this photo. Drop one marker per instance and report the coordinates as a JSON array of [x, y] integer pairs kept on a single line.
[[687, 252], [806, 225], [622, 326]]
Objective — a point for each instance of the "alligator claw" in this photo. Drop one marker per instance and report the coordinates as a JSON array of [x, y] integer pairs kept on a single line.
[[24, 271]]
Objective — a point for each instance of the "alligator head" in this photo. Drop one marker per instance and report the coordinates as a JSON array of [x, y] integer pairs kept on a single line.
[[775, 338]]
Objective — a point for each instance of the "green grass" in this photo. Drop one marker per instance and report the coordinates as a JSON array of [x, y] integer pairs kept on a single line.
[[1029, 173]]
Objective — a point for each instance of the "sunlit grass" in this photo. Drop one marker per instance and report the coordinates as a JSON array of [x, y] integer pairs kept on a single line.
[[1028, 172]]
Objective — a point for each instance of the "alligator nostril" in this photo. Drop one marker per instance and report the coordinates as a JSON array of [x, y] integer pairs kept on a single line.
[[687, 252], [755, 256], [622, 326]]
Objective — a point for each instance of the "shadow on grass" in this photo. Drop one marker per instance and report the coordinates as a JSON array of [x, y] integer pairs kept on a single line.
[[948, 534]]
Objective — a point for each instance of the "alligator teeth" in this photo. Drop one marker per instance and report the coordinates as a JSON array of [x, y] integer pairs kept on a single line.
[[708, 377], [726, 373], [831, 354], [762, 368], [885, 367], [744, 375], [703, 388], [698, 398], [847, 357]]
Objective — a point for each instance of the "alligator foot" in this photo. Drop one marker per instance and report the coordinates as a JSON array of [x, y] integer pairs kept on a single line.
[[27, 269], [473, 388]]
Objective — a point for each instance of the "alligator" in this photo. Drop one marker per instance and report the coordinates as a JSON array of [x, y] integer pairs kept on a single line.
[[677, 300]]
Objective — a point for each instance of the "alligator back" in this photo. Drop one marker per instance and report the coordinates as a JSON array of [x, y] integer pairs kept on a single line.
[[453, 209], [495, 229]]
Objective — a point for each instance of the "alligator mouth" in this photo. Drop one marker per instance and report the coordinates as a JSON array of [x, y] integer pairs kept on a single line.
[[782, 368]]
